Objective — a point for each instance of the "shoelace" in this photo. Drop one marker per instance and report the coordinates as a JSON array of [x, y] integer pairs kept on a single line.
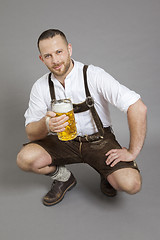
[[52, 191]]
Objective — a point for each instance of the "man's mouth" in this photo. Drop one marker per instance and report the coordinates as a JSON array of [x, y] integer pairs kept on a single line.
[[57, 67]]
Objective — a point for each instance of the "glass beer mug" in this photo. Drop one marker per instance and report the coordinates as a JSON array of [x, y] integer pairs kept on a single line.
[[65, 106]]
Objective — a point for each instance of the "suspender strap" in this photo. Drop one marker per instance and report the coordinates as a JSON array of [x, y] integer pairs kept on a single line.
[[51, 87], [85, 80], [91, 106]]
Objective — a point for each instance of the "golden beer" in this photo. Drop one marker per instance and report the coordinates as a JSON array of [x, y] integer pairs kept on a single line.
[[64, 106]]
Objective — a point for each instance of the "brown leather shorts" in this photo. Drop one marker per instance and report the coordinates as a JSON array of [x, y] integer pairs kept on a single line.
[[92, 153]]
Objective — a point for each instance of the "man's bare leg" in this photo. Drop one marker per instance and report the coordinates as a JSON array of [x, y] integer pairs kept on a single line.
[[33, 158], [126, 179]]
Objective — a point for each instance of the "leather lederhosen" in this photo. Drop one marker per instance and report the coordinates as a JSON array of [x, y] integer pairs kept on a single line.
[[88, 104]]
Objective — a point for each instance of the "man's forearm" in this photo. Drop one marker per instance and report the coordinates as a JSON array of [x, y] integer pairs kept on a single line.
[[137, 126], [37, 130]]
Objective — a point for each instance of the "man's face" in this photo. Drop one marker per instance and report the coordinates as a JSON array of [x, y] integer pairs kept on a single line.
[[56, 55]]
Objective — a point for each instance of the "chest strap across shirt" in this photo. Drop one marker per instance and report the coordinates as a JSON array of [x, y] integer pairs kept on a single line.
[[88, 104]]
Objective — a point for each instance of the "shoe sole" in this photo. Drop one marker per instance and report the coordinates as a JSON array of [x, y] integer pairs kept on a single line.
[[109, 195], [60, 199]]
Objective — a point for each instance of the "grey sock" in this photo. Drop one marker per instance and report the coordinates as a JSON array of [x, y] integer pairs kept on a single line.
[[61, 174]]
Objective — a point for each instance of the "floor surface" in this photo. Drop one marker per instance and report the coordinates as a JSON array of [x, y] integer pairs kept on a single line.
[[85, 213]]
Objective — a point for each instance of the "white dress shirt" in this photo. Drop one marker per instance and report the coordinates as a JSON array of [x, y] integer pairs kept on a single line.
[[103, 88]]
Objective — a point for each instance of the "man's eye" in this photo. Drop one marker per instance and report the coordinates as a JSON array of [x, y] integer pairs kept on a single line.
[[59, 51], [47, 56]]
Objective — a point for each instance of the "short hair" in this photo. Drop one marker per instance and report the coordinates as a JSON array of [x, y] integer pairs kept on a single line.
[[50, 33]]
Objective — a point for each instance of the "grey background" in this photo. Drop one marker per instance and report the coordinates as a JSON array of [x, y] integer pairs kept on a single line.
[[121, 36]]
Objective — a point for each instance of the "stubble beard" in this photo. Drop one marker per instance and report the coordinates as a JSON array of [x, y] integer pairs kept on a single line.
[[63, 72]]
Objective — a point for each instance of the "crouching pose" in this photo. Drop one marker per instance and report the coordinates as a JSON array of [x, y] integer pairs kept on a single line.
[[90, 89]]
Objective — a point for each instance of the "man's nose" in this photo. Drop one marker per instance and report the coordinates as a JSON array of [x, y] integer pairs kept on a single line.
[[55, 59]]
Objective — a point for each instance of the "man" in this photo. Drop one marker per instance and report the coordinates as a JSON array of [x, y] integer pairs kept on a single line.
[[97, 146]]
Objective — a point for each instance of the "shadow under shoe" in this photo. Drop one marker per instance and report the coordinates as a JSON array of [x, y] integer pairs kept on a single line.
[[106, 188], [58, 190]]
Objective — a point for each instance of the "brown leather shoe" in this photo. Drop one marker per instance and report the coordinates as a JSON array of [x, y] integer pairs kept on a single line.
[[106, 188], [58, 190]]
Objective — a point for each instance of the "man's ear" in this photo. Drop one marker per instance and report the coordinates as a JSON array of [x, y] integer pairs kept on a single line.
[[70, 49], [40, 57]]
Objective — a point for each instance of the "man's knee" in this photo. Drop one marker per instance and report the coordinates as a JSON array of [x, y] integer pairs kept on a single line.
[[33, 157], [132, 185], [127, 180], [24, 160]]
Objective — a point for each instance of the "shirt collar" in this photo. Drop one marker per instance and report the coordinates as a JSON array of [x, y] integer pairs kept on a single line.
[[72, 72]]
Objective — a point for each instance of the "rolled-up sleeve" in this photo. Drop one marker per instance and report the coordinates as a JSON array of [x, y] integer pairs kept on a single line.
[[116, 93]]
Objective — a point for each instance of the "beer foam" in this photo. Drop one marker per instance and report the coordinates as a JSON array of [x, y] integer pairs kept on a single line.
[[62, 107]]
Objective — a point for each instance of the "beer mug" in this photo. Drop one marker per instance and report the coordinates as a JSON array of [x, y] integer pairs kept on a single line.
[[65, 106]]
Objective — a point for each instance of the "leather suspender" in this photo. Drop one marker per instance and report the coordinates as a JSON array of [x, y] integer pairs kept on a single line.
[[91, 106], [81, 107], [51, 87]]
